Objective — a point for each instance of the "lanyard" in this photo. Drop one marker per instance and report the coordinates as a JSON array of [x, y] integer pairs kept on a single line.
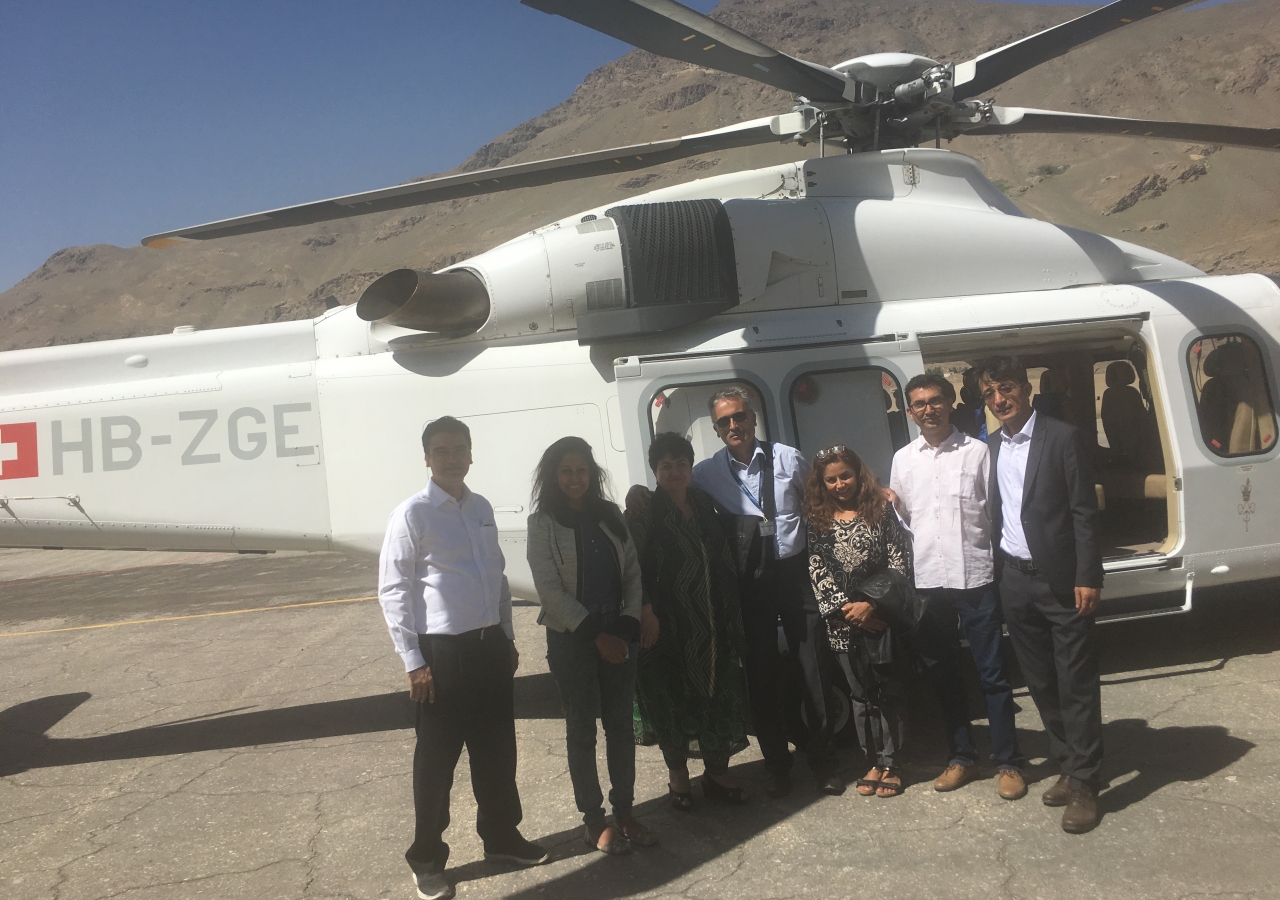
[[746, 490]]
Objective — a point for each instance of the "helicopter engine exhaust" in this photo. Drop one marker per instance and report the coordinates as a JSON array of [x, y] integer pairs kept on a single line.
[[450, 304]]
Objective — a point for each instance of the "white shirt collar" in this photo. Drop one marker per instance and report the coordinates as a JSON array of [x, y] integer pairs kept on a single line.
[[757, 453], [956, 438], [1021, 436], [438, 496]]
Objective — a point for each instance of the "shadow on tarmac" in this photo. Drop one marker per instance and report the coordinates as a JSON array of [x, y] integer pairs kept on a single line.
[[25, 744]]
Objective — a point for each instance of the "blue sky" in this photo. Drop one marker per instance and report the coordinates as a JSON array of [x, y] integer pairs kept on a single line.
[[121, 119]]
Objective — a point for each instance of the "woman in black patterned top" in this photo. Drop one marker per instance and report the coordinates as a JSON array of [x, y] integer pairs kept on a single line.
[[853, 535]]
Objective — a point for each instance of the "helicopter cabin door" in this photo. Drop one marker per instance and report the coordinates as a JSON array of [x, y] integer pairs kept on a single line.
[[810, 397], [1220, 361]]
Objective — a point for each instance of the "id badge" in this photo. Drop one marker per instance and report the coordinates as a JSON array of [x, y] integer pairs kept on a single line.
[[768, 529]]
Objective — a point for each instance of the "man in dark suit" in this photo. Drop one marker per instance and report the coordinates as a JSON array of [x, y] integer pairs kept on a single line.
[[1044, 516]]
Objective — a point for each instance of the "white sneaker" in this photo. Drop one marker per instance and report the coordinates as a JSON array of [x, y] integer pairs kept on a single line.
[[432, 886]]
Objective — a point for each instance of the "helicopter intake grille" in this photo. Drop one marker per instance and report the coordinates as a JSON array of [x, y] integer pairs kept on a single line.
[[678, 268]]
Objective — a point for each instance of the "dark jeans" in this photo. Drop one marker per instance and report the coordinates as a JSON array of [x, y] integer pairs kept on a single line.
[[782, 595], [939, 651], [1054, 646], [590, 688], [474, 706]]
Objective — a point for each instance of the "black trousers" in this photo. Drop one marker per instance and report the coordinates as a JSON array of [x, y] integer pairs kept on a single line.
[[781, 596], [1055, 650], [474, 706]]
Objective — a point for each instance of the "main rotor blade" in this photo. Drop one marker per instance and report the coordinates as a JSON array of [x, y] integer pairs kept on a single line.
[[982, 73], [490, 181], [669, 29], [1015, 120]]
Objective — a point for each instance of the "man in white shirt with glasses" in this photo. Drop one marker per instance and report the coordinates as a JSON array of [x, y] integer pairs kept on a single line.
[[941, 479]]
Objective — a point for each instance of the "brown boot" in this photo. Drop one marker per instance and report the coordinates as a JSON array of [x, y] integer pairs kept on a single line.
[[1010, 785], [955, 776], [1081, 814], [1059, 793]]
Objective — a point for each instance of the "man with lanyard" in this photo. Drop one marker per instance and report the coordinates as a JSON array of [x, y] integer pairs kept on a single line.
[[766, 481], [941, 480]]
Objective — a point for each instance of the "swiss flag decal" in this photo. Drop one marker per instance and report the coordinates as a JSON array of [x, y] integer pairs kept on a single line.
[[18, 457]]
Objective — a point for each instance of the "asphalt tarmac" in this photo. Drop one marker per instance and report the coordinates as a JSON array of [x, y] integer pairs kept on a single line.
[[239, 726]]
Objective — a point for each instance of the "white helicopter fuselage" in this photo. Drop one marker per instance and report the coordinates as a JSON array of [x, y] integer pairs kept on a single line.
[[854, 273]]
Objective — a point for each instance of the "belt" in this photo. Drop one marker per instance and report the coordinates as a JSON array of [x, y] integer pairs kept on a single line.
[[1025, 566], [476, 634]]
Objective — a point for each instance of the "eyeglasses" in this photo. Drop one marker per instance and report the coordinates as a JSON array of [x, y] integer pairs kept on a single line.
[[831, 451], [1004, 388], [737, 418], [932, 403], [452, 452]]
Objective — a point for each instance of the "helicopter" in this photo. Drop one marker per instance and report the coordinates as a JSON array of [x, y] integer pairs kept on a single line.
[[820, 286]]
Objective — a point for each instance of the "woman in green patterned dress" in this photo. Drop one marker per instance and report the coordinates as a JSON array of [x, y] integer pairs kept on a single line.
[[689, 686]]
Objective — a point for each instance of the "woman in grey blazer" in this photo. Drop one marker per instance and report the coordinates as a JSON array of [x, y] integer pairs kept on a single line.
[[587, 575]]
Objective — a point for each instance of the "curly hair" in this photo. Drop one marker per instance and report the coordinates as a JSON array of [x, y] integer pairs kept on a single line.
[[820, 507]]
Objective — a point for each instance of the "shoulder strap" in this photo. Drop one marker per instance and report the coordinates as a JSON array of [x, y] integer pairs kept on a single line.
[[767, 482]]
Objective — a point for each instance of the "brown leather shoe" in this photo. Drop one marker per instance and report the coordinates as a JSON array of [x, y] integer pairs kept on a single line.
[[1010, 785], [1059, 794], [955, 776], [1081, 814]]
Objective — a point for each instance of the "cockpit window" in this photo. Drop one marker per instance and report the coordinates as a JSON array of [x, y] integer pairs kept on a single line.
[[1233, 400]]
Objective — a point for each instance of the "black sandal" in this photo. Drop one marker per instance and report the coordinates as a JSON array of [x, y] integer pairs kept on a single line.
[[892, 789], [682, 801], [593, 838], [714, 790], [872, 783]]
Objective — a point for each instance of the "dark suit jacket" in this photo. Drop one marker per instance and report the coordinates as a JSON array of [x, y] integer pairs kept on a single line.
[[1059, 507]]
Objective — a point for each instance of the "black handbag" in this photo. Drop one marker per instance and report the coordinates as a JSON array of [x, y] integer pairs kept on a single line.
[[895, 598]]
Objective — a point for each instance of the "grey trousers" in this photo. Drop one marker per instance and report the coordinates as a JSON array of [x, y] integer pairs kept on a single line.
[[878, 694]]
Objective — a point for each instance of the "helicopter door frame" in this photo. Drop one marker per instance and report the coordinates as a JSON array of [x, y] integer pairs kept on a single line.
[[1159, 574], [772, 371]]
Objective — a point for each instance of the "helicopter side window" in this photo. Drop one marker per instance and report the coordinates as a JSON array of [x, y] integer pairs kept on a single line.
[[683, 409], [1233, 400], [860, 408]]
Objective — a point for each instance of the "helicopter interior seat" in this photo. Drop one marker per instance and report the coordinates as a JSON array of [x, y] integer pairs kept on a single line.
[[1235, 413], [1052, 399], [1132, 468], [1132, 434]]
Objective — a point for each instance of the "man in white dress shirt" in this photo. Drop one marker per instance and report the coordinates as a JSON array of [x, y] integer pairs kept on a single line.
[[448, 607], [767, 482], [940, 479]]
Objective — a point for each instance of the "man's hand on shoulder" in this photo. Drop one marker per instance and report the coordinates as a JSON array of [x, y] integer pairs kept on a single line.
[[638, 500], [891, 497], [422, 689], [1087, 600]]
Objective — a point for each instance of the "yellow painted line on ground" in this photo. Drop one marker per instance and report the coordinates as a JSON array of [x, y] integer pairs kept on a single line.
[[228, 612]]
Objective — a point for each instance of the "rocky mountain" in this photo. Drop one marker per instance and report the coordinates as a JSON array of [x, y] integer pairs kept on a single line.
[[1211, 206]]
